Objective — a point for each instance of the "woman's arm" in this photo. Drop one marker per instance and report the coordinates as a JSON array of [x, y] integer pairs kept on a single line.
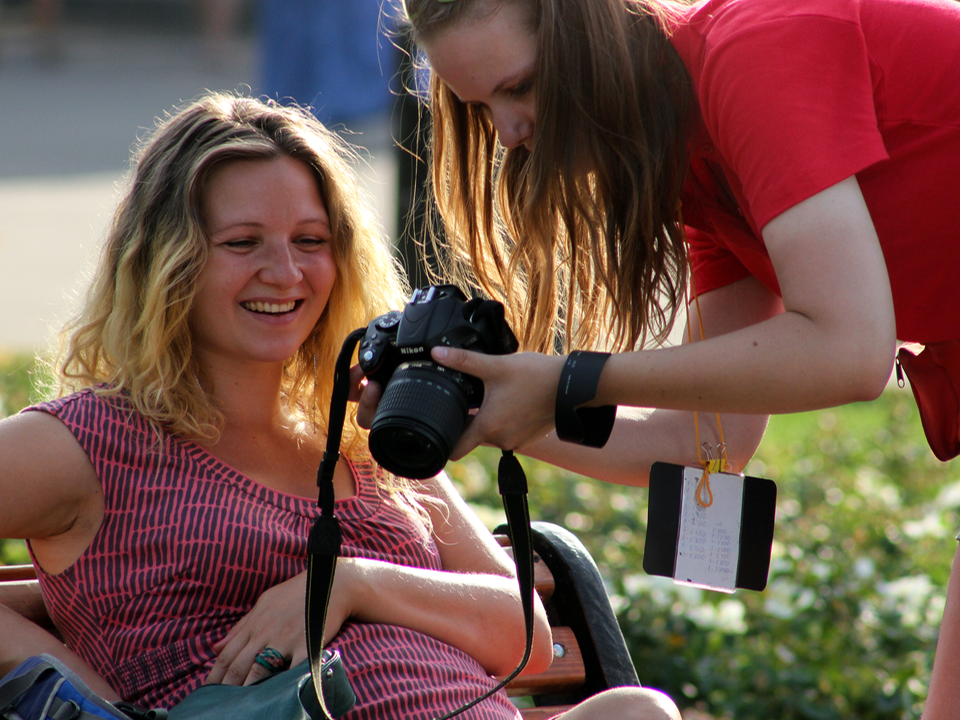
[[642, 436], [49, 490], [21, 639], [943, 698], [50, 494], [830, 342], [472, 604]]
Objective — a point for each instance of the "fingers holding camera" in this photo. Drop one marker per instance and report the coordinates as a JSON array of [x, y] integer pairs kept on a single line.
[[366, 395], [518, 399], [357, 384]]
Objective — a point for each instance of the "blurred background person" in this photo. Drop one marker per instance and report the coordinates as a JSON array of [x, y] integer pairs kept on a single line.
[[332, 55]]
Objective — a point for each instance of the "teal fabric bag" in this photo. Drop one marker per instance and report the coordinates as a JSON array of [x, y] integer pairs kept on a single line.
[[286, 695]]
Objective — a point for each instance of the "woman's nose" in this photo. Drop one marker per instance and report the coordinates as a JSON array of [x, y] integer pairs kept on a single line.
[[513, 129], [280, 267]]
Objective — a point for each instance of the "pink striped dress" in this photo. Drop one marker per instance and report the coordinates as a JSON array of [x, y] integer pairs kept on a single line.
[[188, 544]]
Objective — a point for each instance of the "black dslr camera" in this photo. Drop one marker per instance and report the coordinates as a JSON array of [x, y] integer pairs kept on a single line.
[[425, 405]]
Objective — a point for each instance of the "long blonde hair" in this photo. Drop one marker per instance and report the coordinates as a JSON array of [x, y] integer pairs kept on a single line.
[[132, 335], [578, 237]]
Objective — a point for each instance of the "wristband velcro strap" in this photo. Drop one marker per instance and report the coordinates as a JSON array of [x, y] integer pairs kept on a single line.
[[578, 384]]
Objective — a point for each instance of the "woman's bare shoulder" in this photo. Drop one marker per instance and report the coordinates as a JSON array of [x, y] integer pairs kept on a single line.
[[46, 478]]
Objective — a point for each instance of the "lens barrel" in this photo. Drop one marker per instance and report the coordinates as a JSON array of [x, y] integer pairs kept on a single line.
[[419, 419]]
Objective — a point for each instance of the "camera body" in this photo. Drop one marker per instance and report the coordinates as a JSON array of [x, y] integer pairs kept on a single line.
[[424, 405]]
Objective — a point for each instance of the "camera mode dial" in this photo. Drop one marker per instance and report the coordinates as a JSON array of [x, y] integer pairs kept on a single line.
[[379, 342]]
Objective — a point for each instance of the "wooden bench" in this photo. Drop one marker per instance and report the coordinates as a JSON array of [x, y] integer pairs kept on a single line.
[[590, 654]]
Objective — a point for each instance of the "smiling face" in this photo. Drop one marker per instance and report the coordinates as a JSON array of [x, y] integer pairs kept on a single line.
[[491, 62], [270, 265]]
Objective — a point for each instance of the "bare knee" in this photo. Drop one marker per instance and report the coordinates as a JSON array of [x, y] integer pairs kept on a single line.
[[625, 703]]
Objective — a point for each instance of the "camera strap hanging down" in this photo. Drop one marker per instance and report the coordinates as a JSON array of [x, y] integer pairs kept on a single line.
[[323, 546]]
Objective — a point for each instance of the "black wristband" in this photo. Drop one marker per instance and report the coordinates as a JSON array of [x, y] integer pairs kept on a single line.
[[578, 384]]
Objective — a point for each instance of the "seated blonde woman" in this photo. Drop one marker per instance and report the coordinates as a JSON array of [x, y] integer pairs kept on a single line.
[[167, 494]]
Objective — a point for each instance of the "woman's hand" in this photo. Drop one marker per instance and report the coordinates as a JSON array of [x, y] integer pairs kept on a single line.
[[366, 394], [277, 621], [519, 397]]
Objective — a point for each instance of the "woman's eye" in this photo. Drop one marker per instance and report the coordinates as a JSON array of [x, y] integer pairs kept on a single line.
[[239, 243], [522, 88], [312, 241]]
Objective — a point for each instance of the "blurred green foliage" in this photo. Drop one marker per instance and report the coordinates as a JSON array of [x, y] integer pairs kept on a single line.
[[847, 626], [20, 380]]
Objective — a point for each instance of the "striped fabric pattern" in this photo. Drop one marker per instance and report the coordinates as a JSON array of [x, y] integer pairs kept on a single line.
[[188, 544]]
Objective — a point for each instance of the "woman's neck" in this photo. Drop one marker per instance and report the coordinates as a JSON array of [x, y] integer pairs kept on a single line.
[[260, 437], [247, 394]]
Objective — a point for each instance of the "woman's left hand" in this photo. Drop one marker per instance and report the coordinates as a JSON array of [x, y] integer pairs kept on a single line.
[[276, 621], [519, 397]]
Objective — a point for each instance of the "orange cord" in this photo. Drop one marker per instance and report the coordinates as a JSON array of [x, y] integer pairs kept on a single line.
[[711, 464]]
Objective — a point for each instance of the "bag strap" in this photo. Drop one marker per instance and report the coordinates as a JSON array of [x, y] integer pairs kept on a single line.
[[13, 689], [324, 544], [47, 667]]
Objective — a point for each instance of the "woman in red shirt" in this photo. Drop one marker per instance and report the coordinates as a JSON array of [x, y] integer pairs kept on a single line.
[[794, 162]]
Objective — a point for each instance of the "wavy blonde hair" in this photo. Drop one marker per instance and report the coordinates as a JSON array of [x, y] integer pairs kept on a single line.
[[579, 237], [132, 336]]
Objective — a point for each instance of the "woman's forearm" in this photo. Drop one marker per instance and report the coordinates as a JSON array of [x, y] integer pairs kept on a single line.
[[642, 437], [785, 364], [480, 614]]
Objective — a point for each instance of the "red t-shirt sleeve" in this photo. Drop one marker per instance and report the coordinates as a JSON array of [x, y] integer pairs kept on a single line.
[[712, 265], [789, 102]]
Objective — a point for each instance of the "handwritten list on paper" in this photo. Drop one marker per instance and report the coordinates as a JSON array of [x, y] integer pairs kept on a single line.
[[708, 545]]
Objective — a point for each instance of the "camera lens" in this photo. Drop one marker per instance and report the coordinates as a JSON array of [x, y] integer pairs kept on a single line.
[[419, 419]]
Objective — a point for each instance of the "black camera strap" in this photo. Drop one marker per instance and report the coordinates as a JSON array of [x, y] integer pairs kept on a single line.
[[323, 545], [512, 483]]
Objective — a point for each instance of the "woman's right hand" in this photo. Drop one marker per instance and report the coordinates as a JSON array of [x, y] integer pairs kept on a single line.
[[519, 397]]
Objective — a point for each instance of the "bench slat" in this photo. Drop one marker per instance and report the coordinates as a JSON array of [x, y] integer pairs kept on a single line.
[[543, 713], [17, 572], [564, 674]]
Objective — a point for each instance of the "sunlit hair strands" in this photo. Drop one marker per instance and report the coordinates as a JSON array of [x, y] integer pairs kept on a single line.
[[579, 236], [133, 336]]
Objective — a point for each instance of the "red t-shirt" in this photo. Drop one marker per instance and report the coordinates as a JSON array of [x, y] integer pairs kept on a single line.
[[797, 96]]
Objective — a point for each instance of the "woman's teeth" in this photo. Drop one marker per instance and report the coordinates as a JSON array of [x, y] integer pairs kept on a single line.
[[272, 308]]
